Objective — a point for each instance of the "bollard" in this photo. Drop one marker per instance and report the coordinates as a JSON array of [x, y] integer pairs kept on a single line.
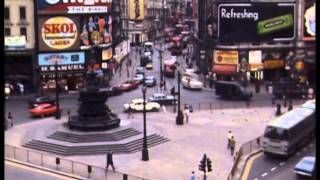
[[290, 107], [89, 170], [125, 176], [57, 162]]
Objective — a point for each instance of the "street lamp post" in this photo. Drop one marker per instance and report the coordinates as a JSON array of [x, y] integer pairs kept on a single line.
[[145, 154], [203, 65], [58, 114], [179, 118]]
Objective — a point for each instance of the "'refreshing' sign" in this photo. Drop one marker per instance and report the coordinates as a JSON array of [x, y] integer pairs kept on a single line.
[[59, 33]]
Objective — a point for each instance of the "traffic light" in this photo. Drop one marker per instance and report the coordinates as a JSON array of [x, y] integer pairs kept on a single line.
[[202, 165], [209, 165]]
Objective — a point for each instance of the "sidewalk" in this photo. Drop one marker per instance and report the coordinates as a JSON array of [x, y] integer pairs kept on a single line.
[[206, 132]]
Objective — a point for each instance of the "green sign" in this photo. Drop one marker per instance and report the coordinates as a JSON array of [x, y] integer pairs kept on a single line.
[[275, 24]]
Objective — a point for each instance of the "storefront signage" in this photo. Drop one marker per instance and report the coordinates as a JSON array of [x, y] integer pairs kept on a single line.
[[59, 33], [260, 24], [50, 59], [273, 64], [255, 57], [73, 6], [309, 20], [136, 9], [226, 57], [299, 65], [121, 51], [15, 41], [71, 67], [107, 54]]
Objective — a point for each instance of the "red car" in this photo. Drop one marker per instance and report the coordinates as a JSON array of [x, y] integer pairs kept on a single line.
[[44, 109], [129, 85]]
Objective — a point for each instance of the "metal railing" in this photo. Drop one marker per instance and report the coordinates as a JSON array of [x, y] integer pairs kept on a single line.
[[63, 165], [245, 149]]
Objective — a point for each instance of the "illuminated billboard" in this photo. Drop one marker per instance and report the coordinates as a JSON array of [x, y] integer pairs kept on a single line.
[[136, 9], [309, 20]]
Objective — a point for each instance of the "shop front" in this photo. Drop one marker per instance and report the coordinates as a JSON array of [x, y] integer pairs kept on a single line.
[[225, 66]]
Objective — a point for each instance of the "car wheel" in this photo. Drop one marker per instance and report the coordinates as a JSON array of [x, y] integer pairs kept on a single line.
[[154, 109]]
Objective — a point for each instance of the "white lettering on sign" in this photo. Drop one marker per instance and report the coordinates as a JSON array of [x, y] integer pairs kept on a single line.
[[239, 15], [85, 2], [70, 67], [85, 9]]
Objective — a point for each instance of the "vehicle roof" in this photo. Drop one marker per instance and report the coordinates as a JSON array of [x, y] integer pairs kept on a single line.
[[291, 118], [137, 100], [158, 94], [43, 105], [169, 62], [311, 104]]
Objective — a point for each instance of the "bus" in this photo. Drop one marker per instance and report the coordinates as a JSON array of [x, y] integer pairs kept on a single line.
[[169, 68], [291, 131], [176, 48]]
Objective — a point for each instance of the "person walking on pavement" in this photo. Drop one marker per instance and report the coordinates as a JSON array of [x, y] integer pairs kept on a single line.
[[232, 145], [186, 114], [110, 160], [193, 177], [21, 88], [129, 112], [229, 138], [10, 119]]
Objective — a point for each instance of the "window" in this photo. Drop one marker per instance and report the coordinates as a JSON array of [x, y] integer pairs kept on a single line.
[[22, 12], [7, 32], [23, 31], [6, 13]]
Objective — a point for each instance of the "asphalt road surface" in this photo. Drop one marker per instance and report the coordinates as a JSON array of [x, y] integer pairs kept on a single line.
[[275, 168]]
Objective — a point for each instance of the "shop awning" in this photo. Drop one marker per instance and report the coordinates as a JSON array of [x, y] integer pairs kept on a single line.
[[224, 69]]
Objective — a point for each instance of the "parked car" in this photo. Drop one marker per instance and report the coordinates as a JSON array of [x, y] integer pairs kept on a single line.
[[114, 91], [138, 78], [140, 70], [306, 167], [44, 109], [34, 102], [289, 88], [231, 90], [150, 81], [129, 85], [162, 99], [137, 105]]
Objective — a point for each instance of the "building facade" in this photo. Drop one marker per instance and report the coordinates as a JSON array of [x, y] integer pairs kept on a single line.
[[19, 43]]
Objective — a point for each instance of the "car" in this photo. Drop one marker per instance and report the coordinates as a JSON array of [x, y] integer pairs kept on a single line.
[[128, 85], [140, 70], [45, 109], [232, 90], [149, 66], [34, 102], [289, 88], [114, 91], [138, 78], [137, 105], [306, 166], [150, 81], [162, 99], [191, 82]]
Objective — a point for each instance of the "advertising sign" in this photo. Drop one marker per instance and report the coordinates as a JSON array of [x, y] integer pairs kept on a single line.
[[226, 57], [66, 61], [58, 33], [256, 22], [107, 54], [309, 23], [273, 64], [46, 7], [15, 41], [255, 57], [136, 9]]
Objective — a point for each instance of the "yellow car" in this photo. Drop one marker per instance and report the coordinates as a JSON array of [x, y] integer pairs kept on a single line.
[[149, 66], [137, 105]]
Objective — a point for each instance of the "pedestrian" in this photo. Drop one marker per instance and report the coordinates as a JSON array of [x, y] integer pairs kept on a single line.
[[164, 85], [232, 145], [110, 161], [129, 112], [21, 88], [186, 114], [10, 119], [229, 135], [193, 177]]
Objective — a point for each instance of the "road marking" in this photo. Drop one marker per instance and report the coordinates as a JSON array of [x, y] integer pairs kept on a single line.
[[274, 168], [264, 174], [282, 163], [249, 165], [164, 109]]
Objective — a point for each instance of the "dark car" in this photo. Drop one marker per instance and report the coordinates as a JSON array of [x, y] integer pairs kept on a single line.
[[114, 91], [34, 102], [140, 70], [232, 90], [289, 88], [128, 85], [162, 99], [150, 81]]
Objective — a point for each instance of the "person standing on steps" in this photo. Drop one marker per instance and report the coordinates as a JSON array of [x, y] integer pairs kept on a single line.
[[232, 145], [229, 135], [110, 161]]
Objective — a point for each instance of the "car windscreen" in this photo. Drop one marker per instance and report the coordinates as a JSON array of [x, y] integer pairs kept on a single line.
[[276, 133]]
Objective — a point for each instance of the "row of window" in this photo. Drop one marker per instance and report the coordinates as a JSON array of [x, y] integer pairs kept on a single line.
[[22, 11], [23, 31]]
